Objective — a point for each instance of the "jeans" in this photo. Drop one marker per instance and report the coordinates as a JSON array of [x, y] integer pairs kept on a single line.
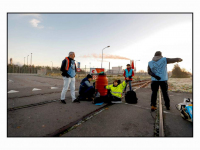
[[68, 82], [164, 87], [129, 85]]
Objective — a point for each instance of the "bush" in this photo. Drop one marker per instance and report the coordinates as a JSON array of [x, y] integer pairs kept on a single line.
[[177, 72]]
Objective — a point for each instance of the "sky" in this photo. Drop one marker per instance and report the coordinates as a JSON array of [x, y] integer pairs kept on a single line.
[[50, 37]]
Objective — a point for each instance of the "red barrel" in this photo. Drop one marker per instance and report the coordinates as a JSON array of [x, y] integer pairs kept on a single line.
[[101, 82]]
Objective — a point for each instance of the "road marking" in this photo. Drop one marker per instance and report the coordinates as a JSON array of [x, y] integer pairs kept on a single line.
[[12, 91], [35, 89], [166, 112], [54, 87]]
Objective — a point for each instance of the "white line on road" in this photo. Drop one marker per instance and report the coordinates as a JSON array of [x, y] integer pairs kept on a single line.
[[35, 89], [12, 91], [54, 87]]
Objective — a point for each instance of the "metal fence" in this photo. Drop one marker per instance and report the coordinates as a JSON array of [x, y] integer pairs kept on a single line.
[[47, 70], [21, 69]]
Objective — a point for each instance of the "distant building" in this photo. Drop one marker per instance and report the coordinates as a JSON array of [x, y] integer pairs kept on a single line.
[[11, 60], [117, 69]]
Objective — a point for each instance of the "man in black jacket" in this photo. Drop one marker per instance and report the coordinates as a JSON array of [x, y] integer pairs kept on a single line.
[[157, 68], [68, 69]]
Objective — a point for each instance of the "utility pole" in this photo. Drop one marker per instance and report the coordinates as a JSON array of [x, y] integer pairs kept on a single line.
[[52, 65], [27, 60], [31, 59]]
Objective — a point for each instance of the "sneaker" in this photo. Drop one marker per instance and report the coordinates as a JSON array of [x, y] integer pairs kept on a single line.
[[76, 101], [63, 101], [153, 108]]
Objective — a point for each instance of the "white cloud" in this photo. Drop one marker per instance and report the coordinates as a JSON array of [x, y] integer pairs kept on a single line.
[[35, 23]]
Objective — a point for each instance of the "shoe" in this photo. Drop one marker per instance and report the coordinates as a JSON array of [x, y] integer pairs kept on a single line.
[[153, 108], [63, 101], [116, 102], [76, 101], [168, 108]]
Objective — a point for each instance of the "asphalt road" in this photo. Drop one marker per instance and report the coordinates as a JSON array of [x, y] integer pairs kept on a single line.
[[125, 120]]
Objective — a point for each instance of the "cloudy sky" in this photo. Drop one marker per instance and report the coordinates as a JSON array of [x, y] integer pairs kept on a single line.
[[50, 37]]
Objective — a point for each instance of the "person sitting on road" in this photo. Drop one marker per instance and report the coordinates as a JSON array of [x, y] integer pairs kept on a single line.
[[115, 91], [86, 91]]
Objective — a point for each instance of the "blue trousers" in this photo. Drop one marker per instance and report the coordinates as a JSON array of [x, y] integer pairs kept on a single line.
[[129, 85]]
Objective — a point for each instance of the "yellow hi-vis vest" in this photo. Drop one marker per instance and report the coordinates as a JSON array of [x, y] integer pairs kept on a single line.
[[118, 90]]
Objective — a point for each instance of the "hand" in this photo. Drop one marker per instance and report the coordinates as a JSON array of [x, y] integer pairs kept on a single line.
[[157, 77], [127, 78], [180, 60]]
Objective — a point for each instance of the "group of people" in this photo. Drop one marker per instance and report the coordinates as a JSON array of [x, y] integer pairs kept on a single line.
[[157, 69]]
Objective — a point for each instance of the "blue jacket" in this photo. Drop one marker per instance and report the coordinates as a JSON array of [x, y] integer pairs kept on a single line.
[[84, 85], [159, 68]]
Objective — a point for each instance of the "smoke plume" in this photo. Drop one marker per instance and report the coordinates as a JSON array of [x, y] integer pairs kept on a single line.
[[105, 56]]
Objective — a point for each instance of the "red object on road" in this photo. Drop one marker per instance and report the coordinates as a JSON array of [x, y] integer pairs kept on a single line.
[[101, 82]]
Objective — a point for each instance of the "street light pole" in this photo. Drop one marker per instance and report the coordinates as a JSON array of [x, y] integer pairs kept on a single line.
[[31, 59], [52, 65], [102, 55], [135, 65], [24, 61], [27, 60]]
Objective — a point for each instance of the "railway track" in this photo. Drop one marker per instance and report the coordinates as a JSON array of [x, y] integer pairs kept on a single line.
[[142, 83]]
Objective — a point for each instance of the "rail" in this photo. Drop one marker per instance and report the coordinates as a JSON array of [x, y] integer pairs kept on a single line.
[[161, 128]]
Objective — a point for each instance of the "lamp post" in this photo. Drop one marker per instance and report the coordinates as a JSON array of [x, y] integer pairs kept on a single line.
[[24, 61], [102, 55], [27, 60], [31, 59], [135, 64], [52, 65]]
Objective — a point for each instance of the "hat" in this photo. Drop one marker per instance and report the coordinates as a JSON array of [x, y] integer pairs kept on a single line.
[[89, 76], [158, 53]]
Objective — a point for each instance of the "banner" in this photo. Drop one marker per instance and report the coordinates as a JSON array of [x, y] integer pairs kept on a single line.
[[95, 71], [79, 65], [132, 64]]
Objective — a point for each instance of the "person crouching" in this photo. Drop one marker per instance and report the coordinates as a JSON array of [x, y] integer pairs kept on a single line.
[[86, 91]]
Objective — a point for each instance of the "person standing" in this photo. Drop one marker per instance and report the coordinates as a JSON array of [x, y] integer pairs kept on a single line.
[[128, 74], [157, 68], [68, 69]]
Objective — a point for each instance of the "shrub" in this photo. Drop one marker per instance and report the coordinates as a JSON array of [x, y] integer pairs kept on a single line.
[[177, 72]]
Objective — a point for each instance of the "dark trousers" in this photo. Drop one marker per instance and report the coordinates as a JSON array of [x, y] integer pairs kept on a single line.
[[88, 93], [164, 87], [107, 99]]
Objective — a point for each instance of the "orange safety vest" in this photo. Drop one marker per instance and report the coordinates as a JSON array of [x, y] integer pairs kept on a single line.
[[67, 63]]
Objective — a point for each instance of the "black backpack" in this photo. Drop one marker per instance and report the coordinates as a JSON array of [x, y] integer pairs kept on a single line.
[[131, 97]]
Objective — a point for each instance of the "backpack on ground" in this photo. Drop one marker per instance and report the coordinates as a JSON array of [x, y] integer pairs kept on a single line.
[[130, 97]]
